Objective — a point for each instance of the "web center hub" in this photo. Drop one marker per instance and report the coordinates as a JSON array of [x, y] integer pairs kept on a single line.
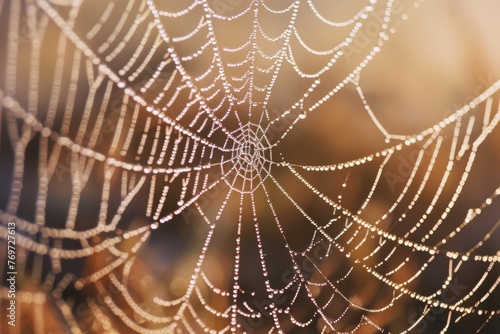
[[250, 161]]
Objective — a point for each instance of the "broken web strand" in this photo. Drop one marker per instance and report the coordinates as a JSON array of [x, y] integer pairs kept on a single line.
[[352, 77]]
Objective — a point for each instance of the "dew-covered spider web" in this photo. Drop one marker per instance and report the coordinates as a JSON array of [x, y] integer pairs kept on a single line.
[[193, 166]]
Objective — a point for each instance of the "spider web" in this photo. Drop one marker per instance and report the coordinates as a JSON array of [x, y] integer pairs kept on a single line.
[[148, 168]]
